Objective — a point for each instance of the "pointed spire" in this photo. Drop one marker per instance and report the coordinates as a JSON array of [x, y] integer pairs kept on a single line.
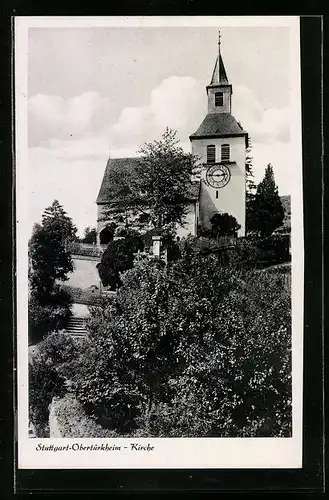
[[219, 76]]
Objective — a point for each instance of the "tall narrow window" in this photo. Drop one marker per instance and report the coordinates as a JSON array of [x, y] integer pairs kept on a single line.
[[225, 152], [219, 99], [211, 154]]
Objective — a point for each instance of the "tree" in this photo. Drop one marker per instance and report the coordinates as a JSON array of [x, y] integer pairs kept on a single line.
[[224, 225], [190, 350], [265, 212], [90, 235], [56, 220], [123, 191], [50, 262], [163, 177]]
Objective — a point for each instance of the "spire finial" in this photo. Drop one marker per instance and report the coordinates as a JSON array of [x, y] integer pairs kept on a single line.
[[218, 40]]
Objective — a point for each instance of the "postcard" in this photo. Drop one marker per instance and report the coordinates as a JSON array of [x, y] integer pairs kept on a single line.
[[160, 249]]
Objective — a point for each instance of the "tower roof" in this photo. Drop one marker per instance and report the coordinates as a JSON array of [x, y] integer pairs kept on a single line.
[[219, 125], [219, 76]]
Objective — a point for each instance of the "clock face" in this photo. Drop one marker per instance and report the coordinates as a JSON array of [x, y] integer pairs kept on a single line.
[[218, 176]]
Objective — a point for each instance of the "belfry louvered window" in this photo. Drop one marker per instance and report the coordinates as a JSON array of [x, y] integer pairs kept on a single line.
[[225, 152], [219, 99], [211, 154]]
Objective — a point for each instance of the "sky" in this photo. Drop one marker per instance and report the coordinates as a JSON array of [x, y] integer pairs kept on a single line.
[[100, 92]]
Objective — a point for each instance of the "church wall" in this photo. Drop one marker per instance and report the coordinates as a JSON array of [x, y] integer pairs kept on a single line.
[[231, 198]]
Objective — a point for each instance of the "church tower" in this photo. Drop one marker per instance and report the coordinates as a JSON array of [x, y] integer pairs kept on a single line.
[[220, 142]]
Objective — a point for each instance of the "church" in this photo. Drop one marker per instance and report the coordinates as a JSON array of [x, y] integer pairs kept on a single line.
[[220, 143]]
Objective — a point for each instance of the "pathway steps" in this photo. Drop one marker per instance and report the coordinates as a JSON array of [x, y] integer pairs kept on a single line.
[[76, 327]]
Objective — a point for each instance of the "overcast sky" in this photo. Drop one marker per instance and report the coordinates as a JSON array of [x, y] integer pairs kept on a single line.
[[95, 92]]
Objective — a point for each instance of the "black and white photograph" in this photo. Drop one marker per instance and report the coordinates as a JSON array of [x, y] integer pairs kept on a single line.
[[159, 242]]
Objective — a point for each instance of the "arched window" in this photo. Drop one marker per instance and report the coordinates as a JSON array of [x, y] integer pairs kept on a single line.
[[219, 99], [211, 154], [225, 152]]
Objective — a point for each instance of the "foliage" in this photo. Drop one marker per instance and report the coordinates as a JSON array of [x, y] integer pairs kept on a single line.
[[90, 235], [49, 313], [224, 225], [56, 221], [47, 376], [250, 185], [262, 252], [49, 261], [118, 257], [123, 191], [164, 175], [90, 296], [73, 422], [264, 211], [193, 349], [246, 253], [45, 319]]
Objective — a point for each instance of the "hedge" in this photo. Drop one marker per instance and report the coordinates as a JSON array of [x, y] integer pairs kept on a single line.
[[73, 422], [88, 296]]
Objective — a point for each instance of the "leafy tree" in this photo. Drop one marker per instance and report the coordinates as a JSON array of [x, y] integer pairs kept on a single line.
[[118, 257], [224, 225], [190, 350], [56, 220], [164, 176], [90, 235], [49, 258], [123, 191], [50, 261], [265, 211]]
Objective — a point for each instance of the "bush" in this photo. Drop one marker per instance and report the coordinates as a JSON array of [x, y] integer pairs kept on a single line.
[[275, 249], [117, 258], [47, 376], [88, 296], [73, 422], [50, 315], [249, 252], [193, 349], [224, 225]]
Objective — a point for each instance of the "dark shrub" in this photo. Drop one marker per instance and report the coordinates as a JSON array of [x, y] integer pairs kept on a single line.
[[47, 376], [118, 257], [252, 252], [50, 315], [275, 249], [249, 252], [90, 235], [73, 422], [224, 225]]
